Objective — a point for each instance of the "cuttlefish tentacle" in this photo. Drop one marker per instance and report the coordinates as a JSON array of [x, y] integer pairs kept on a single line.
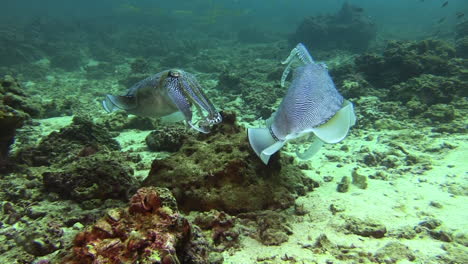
[[299, 53]]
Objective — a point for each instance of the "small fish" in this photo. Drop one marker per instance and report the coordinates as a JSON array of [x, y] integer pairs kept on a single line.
[[460, 15], [163, 95], [441, 20], [312, 107], [445, 4]]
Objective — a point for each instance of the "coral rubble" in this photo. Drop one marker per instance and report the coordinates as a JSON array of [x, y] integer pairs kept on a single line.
[[220, 171], [150, 230]]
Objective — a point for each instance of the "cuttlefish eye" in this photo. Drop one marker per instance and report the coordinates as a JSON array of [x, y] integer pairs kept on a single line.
[[174, 73]]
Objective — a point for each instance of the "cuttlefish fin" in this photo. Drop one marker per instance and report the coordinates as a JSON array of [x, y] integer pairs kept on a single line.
[[314, 147], [112, 103], [336, 129], [263, 143]]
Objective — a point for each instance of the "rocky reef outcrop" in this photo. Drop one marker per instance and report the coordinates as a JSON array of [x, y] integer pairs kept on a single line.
[[220, 171], [402, 60], [169, 138], [83, 162], [15, 108], [150, 230], [349, 29]]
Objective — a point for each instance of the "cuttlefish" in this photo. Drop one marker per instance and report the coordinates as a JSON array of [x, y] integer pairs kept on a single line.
[[312, 107], [167, 95]]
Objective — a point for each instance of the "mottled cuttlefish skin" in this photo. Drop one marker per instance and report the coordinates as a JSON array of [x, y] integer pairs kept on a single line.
[[164, 94], [312, 106]]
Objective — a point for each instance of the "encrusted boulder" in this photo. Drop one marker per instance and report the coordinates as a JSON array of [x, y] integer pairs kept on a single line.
[[15, 109], [167, 138], [349, 29], [81, 138], [429, 89], [150, 230], [220, 171], [403, 60], [99, 176]]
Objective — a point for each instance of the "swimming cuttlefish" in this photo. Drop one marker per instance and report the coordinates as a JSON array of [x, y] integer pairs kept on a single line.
[[166, 95], [312, 107]]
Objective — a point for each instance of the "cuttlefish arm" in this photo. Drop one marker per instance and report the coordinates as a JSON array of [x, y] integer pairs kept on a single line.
[[179, 98], [194, 92]]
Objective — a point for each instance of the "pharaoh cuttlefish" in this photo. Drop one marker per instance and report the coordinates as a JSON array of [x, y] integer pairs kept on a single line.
[[312, 106], [164, 94]]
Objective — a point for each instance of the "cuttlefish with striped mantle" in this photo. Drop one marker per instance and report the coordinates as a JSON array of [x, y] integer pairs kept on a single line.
[[169, 95], [311, 107]]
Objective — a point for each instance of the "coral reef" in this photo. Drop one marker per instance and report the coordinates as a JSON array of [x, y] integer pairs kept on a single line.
[[220, 171], [349, 29], [150, 230]]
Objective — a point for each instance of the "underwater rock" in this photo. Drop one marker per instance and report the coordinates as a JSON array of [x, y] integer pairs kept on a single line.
[[394, 252], [442, 113], [81, 138], [15, 110], [13, 95], [221, 227], [365, 228], [343, 185], [271, 228], [429, 89], [343, 253], [349, 29], [220, 171], [10, 120], [150, 230], [168, 138], [402, 60], [98, 176], [359, 180]]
